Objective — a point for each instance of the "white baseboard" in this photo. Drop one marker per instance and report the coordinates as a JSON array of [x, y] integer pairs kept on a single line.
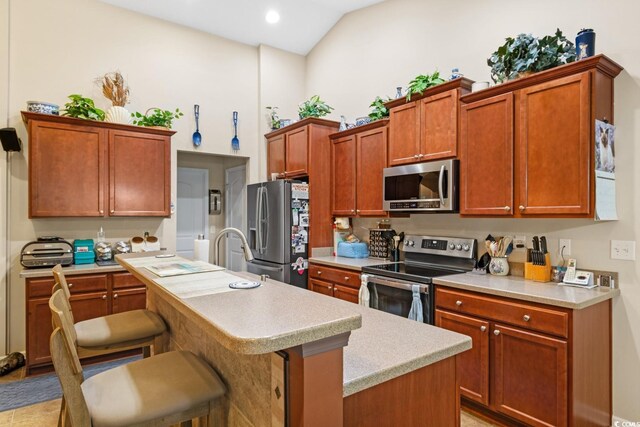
[[621, 422]]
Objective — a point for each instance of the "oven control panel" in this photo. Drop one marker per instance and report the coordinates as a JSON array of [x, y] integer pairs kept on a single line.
[[450, 246]]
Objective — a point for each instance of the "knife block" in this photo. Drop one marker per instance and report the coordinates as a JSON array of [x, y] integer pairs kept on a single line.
[[538, 273]]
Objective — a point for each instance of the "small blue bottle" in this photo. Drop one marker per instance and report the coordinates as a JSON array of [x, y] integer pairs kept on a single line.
[[455, 73]]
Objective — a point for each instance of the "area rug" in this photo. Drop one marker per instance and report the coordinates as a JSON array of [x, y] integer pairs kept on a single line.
[[42, 388]]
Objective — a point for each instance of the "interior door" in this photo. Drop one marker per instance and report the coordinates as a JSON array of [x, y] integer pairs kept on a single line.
[[192, 209], [235, 192]]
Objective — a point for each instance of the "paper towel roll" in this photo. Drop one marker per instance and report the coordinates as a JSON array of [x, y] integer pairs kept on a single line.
[[201, 250]]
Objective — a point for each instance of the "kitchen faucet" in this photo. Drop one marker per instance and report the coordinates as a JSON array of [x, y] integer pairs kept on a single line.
[[248, 256]]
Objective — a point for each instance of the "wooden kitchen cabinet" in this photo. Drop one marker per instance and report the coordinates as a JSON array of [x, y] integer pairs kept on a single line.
[[486, 157], [139, 174], [290, 148], [426, 128], [336, 282], [473, 365], [92, 295], [303, 151], [531, 363], [548, 121], [358, 157], [84, 168]]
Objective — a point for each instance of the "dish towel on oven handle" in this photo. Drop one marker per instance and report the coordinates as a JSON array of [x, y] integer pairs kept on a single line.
[[363, 293], [416, 305]]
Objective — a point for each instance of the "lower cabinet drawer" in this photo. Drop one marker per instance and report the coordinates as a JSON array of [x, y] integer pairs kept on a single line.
[[554, 322], [125, 280], [41, 287], [336, 275]]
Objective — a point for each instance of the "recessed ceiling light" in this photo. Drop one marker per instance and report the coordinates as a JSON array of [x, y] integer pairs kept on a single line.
[[272, 17]]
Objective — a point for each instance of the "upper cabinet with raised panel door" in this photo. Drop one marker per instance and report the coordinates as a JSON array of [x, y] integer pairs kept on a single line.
[[426, 128], [289, 149], [358, 157], [527, 146], [83, 168], [303, 150]]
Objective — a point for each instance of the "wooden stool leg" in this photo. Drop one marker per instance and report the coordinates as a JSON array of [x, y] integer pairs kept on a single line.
[[61, 416], [217, 413]]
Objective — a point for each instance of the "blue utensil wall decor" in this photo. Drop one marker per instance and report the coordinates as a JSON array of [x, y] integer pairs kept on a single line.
[[197, 138], [235, 142]]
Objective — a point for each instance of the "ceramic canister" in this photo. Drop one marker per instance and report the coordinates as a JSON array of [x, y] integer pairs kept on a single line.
[[585, 43]]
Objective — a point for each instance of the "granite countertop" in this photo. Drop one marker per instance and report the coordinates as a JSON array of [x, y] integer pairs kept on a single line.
[[528, 290], [70, 270], [348, 263], [388, 346], [272, 317], [276, 316]]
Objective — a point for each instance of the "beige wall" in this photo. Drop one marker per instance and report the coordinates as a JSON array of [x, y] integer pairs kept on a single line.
[[370, 52], [58, 48], [4, 96], [282, 80]]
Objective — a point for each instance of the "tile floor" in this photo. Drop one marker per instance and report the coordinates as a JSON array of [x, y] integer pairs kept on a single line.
[[45, 414]]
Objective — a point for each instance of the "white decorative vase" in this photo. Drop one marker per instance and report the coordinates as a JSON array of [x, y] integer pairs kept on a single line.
[[117, 114]]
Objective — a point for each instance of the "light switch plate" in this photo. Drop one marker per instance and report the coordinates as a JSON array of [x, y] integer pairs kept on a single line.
[[623, 249]]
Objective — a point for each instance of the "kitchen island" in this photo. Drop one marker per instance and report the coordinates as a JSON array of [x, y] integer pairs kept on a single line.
[[287, 352]]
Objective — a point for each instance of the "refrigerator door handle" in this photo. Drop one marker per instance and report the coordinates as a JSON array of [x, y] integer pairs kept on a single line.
[[259, 220], [265, 239]]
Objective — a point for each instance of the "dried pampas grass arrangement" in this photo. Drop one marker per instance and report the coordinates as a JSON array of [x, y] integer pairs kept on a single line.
[[114, 88]]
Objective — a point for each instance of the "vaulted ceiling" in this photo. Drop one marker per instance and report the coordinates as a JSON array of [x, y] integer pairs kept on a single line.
[[302, 23]]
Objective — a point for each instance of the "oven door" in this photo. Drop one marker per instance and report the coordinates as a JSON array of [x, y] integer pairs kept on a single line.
[[395, 296], [430, 186]]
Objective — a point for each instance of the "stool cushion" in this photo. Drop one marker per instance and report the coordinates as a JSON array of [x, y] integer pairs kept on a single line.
[[147, 389], [118, 328]]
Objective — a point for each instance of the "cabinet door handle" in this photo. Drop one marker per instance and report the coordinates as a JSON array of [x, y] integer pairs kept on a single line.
[[115, 296], [346, 277], [507, 208], [458, 303], [483, 328], [113, 211], [104, 296], [329, 287], [526, 317], [319, 272], [358, 210], [101, 212], [421, 155], [70, 285], [496, 332], [522, 207], [416, 156]]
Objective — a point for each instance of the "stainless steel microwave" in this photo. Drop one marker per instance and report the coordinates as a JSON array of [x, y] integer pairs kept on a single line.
[[423, 187]]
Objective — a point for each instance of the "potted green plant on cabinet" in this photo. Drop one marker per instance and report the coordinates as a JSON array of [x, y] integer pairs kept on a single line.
[[526, 54], [314, 107], [82, 108], [158, 118]]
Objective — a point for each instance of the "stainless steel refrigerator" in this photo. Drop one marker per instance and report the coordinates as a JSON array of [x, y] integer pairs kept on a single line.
[[278, 224]]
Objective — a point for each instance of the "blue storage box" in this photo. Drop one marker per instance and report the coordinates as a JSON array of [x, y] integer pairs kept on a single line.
[[83, 251], [353, 250]]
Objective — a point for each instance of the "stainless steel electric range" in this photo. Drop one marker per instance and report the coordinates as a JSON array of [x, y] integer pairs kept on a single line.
[[391, 285]]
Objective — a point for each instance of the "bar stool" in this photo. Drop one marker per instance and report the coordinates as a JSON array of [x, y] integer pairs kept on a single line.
[[172, 387], [128, 330]]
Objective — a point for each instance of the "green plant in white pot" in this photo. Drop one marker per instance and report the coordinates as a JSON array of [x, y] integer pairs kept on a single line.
[[526, 54]]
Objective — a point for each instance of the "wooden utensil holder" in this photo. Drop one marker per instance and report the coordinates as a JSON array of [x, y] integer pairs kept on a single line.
[[538, 273]]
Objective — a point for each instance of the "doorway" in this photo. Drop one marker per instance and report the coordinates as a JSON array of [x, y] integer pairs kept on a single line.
[[192, 208], [235, 194]]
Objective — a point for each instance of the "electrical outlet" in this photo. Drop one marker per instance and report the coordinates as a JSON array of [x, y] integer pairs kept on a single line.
[[623, 249], [519, 243], [566, 244]]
